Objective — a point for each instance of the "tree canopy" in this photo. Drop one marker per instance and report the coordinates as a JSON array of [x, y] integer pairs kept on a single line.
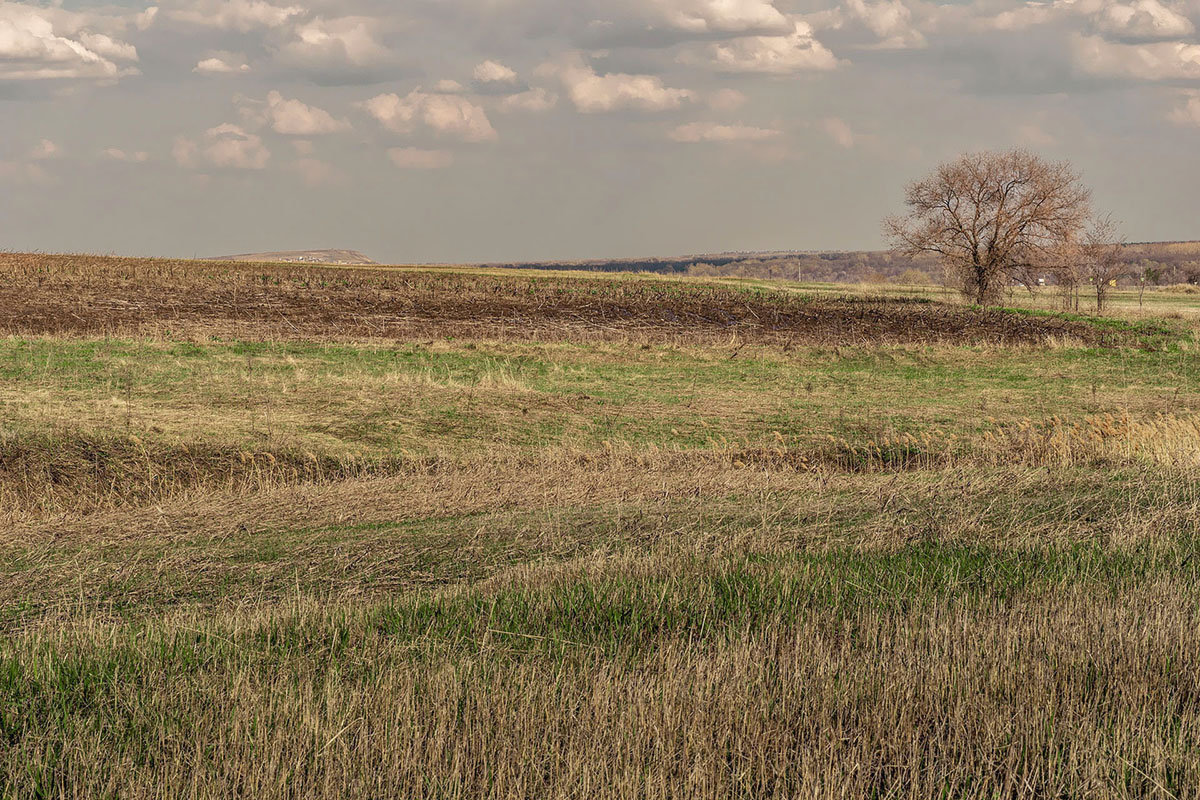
[[993, 217]]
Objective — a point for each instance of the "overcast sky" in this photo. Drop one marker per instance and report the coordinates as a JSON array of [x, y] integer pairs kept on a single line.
[[470, 130]]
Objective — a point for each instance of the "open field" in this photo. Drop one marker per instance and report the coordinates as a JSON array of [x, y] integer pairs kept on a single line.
[[281, 531]]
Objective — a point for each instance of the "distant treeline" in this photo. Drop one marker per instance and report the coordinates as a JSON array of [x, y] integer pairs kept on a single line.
[[1161, 263]]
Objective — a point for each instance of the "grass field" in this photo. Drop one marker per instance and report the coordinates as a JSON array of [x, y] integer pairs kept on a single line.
[[280, 531]]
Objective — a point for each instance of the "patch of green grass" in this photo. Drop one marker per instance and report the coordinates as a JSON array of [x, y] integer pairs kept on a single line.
[[379, 402], [1158, 333]]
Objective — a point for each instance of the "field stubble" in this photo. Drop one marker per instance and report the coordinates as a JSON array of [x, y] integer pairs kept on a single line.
[[81, 295]]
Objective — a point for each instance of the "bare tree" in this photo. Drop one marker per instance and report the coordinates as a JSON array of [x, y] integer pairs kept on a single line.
[[1100, 260], [1151, 273], [993, 218], [1067, 277]]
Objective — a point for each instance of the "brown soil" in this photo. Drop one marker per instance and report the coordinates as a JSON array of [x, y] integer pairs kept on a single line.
[[96, 295]]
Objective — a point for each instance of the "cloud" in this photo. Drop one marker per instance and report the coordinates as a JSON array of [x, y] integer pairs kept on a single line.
[[237, 15], [840, 132], [494, 72], [416, 158], [592, 93], [44, 150], [448, 86], [443, 114], [532, 100], [1128, 22], [1142, 20], [661, 23], [294, 118], [889, 21], [1188, 113], [145, 18], [772, 55], [1162, 61], [712, 132], [1016, 19], [226, 146], [46, 43], [340, 47], [23, 172], [108, 47], [117, 154], [220, 65], [720, 16]]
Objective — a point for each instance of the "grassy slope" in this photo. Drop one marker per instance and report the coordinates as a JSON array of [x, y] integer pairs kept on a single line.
[[592, 568], [447, 395]]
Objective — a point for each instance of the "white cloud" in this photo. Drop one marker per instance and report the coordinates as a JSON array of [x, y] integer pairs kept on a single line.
[[840, 132], [294, 118], [416, 158], [1144, 20], [720, 16], [447, 115], [534, 100], [448, 86], [1130, 22], [712, 132], [890, 21], [322, 43], [144, 19], [237, 15], [117, 154], [226, 146], [592, 93], [773, 55], [1162, 61], [1188, 113], [494, 72], [108, 47], [218, 65], [39, 43]]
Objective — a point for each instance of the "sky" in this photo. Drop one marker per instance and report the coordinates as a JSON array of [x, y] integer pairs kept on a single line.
[[494, 130]]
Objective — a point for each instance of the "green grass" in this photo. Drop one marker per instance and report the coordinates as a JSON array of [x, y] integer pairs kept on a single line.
[[384, 401]]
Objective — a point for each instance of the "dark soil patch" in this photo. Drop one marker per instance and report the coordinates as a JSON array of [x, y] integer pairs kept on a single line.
[[74, 295]]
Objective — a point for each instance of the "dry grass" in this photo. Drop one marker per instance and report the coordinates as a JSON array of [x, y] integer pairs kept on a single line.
[[800, 686], [1166, 441], [367, 538], [603, 548]]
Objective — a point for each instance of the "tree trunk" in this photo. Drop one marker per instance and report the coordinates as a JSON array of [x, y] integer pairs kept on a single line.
[[981, 286]]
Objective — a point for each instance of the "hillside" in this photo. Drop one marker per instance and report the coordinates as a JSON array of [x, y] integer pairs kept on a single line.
[[1169, 263], [352, 257]]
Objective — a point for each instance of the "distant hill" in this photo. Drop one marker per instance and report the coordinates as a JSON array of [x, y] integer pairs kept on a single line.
[[1169, 263], [303, 257]]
